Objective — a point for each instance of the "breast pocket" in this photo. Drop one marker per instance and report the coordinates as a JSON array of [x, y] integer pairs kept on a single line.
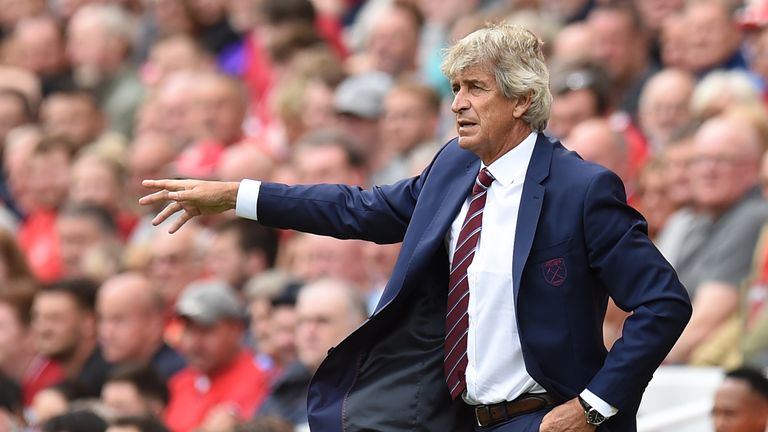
[[552, 262]]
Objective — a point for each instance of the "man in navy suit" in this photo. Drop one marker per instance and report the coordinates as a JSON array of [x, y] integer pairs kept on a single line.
[[511, 246]]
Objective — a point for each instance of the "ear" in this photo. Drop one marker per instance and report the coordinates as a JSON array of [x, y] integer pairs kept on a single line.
[[521, 105]]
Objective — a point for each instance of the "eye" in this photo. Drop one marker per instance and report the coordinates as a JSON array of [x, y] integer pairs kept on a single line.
[[455, 88]]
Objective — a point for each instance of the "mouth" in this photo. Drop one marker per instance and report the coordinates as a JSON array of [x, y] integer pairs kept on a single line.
[[464, 125]]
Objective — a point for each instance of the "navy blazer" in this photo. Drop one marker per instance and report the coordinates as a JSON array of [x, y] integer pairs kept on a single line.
[[577, 242]]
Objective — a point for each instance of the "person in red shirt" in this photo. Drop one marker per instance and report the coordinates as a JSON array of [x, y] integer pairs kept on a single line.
[[222, 384]]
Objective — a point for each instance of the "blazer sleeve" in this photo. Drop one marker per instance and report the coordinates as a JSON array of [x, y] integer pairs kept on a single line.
[[638, 279]]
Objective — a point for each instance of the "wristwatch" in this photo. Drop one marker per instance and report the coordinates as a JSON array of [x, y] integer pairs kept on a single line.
[[592, 415]]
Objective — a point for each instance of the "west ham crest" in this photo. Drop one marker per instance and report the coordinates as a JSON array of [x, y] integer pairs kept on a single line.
[[554, 271]]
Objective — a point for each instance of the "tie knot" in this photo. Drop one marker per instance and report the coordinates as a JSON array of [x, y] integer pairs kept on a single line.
[[484, 179]]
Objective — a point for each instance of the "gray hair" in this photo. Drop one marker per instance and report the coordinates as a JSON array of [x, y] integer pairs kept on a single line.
[[515, 57]]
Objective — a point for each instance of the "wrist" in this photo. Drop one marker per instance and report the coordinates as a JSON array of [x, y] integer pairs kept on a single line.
[[591, 415]]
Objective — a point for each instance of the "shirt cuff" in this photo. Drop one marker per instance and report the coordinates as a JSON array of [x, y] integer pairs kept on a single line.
[[247, 199], [600, 405]]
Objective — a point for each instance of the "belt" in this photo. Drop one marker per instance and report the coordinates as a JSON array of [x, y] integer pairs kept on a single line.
[[489, 415]]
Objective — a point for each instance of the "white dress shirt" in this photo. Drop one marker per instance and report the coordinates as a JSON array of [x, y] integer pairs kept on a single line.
[[496, 370]]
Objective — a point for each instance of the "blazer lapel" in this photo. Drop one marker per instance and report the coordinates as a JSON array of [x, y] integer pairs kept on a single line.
[[530, 207], [439, 203]]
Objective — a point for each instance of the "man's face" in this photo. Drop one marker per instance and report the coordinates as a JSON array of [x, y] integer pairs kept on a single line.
[[218, 111], [485, 118], [73, 117], [723, 167], [126, 324], [738, 409], [226, 260], [570, 109], [78, 235], [615, 42], [96, 183], [712, 35], [324, 164], [40, 47], [124, 398], [282, 333], [56, 324], [665, 108], [393, 42], [49, 178], [322, 321], [208, 348], [173, 263], [407, 121], [677, 161]]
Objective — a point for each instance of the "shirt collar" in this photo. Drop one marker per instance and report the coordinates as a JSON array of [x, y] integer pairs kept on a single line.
[[513, 165]]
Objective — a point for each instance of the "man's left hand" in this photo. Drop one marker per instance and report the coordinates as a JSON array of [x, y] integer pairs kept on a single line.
[[568, 417]]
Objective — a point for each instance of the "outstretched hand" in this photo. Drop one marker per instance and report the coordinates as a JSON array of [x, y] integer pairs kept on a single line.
[[190, 197]]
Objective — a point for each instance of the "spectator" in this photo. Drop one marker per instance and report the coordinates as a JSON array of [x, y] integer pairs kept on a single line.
[[573, 43], [99, 180], [410, 119], [714, 249], [359, 105], [316, 257], [17, 152], [713, 37], [326, 311], [48, 180], [596, 141], [392, 44], [64, 327], [622, 46], [665, 106], [581, 91], [175, 261], [241, 249], [74, 115], [173, 53], [135, 390], [221, 382], [89, 245], [263, 293], [18, 358], [327, 156], [132, 322], [652, 197], [741, 402], [99, 42], [38, 41], [677, 158], [217, 112]]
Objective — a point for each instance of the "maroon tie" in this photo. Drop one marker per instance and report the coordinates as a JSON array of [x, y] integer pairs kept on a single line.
[[457, 320]]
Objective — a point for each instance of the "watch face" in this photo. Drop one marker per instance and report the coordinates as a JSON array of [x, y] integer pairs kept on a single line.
[[594, 417]]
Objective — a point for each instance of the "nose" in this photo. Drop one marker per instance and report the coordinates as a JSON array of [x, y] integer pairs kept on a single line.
[[460, 102]]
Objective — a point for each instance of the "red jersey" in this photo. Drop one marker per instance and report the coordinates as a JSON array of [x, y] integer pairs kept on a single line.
[[241, 386]]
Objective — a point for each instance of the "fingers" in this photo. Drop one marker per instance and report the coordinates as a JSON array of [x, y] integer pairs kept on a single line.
[[154, 198], [171, 185], [180, 221], [169, 210]]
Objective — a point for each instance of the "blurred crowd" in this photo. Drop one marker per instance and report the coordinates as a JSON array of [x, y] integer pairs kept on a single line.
[[110, 323]]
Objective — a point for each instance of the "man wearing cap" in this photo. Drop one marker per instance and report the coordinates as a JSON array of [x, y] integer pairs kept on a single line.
[[511, 246], [221, 381]]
